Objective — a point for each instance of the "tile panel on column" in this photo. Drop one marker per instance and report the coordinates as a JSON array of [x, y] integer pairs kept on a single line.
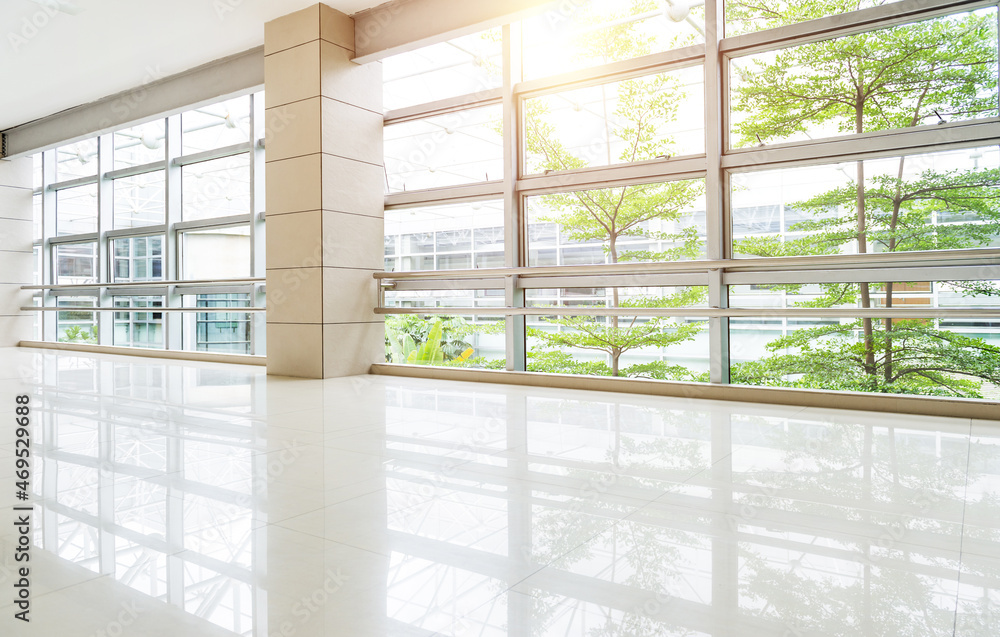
[[292, 30], [295, 295], [353, 186], [15, 172], [347, 241], [345, 81], [295, 240], [349, 295], [294, 185], [351, 348], [292, 350], [352, 132], [293, 130], [15, 203], [337, 28], [292, 75]]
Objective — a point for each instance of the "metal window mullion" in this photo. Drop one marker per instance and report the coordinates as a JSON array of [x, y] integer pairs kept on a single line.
[[258, 323], [49, 271], [172, 321], [716, 213], [514, 227], [105, 223]]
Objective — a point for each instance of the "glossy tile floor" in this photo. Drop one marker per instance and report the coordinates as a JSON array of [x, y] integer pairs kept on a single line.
[[186, 499]]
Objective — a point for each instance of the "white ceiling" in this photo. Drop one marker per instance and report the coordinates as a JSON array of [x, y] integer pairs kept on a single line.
[[53, 60]]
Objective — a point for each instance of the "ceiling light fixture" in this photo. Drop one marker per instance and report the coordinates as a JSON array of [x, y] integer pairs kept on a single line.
[[679, 10]]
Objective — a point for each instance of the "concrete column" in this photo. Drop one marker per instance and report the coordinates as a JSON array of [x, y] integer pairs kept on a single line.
[[15, 251], [324, 201]]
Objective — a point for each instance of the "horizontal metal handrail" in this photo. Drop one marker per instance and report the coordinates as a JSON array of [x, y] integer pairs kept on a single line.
[[750, 312], [206, 310], [916, 259], [90, 286]]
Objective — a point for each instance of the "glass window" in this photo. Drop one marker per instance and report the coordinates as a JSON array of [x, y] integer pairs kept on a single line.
[[571, 36], [76, 160], [747, 16], [657, 116], [452, 341], [943, 357], [76, 325], [456, 231], [216, 253], [935, 201], [217, 331], [636, 347], [143, 144], [448, 150], [138, 329], [75, 263], [930, 72], [139, 200], [462, 66], [138, 259], [216, 125], [654, 222], [76, 210], [217, 188]]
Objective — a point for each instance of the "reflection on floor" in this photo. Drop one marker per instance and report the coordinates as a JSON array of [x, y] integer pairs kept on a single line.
[[201, 499]]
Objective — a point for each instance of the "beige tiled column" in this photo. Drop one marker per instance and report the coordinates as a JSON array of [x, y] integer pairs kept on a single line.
[[15, 251], [324, 197]]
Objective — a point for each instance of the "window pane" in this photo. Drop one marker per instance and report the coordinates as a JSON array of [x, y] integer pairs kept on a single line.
[[217, 253], [76, 326], [657, 116], [937, 357], [457, 148], [937, 201], [216, 125], [458, 67], [449, 341], [139, 329], [626, 346], [76, 210], [76, 263], [458, 233], [602, 31], [139, 145], [139, 200], [138, 259], [930, 72], [217, 331], [76, 160], [655, 222], [217, 188], [747, 16]]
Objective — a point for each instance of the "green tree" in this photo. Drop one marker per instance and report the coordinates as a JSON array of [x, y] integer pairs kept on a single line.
[[641, 110], [901, 77]]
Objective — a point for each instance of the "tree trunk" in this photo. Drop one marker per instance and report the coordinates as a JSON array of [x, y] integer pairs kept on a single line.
[[866, 299], [893, 223], [613, 253]]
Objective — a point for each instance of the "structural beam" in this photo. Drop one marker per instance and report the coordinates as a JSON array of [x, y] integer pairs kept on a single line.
[[156, 97], [405, 25]]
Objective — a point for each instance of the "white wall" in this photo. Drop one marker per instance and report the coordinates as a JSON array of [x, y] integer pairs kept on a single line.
[[15, 250]]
